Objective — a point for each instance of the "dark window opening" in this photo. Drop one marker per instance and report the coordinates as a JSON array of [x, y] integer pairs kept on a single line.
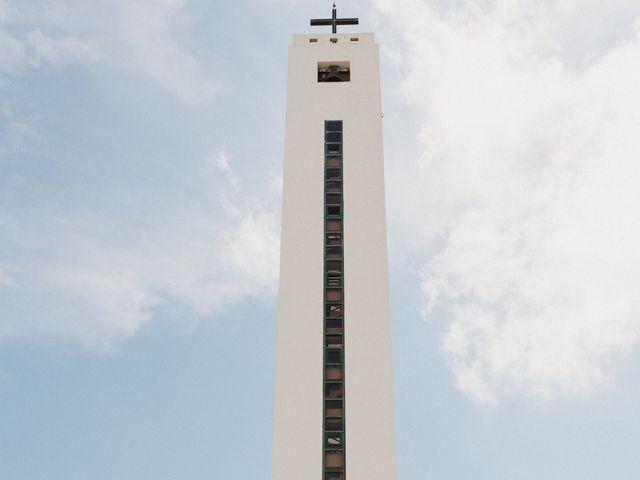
[[334, 161], [334, 294], [333, 441], [334, 253], [333, 461], [333, 424], [333, 137], [333, 148], [334, 239], [333, 125], [333, 408], [333, 173], [334, 199], [333, 373], [333, 325], [334, 211], [334, 310], [334, 355], [334, 279], [334, 225], [334, 476], [334, 266], [333, 390], [334, 186], [333, 341]]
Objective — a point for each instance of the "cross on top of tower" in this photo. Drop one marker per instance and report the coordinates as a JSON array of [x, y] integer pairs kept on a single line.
[[334, 21]]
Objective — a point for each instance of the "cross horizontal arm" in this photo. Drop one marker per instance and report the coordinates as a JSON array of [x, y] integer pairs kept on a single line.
[[318, 22], [329, 21]]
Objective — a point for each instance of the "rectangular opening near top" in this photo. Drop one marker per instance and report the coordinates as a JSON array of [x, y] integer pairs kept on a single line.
[[338, 71]]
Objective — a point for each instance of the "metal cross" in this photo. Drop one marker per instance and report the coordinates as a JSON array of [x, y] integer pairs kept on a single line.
[[334, 21]]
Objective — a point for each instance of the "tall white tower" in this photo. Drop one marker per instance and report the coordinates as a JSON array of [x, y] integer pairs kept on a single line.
[[334, 391]]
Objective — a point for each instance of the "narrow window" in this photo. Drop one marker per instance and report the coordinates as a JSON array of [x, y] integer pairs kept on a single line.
[[334, 373], [313, 40]]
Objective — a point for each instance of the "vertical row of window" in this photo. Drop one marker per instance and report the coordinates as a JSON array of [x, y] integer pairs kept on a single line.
[[333, 414]]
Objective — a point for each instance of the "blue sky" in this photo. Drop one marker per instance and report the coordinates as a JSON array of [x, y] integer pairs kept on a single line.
[[140, 176]]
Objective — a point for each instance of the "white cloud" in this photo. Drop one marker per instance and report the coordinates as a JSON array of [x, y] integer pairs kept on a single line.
[[530, 157], [60, 50], [6, 280], [96, 278], [92, 269], [15, 133], [11, 55], [148, 38], [222, 162]]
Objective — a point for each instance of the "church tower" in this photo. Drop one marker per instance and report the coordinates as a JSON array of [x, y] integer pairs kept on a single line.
[[334, 390]]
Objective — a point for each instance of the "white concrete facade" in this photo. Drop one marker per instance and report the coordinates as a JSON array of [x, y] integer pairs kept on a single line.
[[369, 425]]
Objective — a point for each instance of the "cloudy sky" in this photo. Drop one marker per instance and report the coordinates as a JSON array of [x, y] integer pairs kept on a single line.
[[140, 178]]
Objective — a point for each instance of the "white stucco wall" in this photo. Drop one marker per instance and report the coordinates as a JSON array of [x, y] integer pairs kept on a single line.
[[370, 439]]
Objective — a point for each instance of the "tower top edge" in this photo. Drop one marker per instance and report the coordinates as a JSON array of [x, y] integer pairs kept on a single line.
[[346, 37]]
